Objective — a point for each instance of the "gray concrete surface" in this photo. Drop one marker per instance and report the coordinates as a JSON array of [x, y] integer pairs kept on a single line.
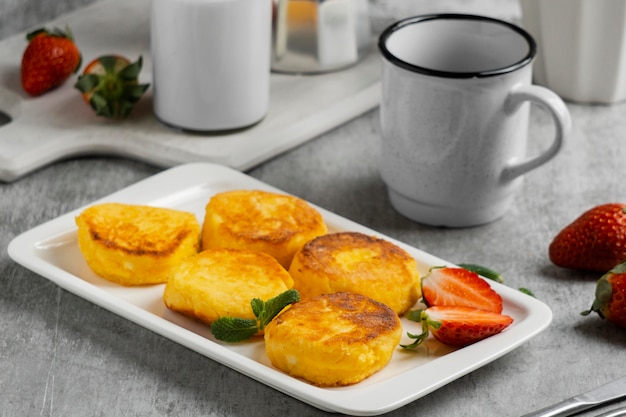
[[60, 355]]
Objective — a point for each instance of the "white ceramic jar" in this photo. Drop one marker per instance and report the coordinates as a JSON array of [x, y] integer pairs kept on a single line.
[[581, 47], [211, 62]]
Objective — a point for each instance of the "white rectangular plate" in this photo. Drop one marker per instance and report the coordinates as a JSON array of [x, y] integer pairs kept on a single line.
[[51, 250]]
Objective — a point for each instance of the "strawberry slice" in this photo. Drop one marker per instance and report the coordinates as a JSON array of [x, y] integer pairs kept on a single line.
[[457, 326], [459, 287]]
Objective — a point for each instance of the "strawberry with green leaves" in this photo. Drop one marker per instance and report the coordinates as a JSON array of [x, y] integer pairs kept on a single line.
[[109, 84], [610, 300], [457, 326], [446, 286], [50, 58], [595, 241]]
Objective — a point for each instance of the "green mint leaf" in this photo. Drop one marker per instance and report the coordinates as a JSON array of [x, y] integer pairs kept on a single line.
[[483, 271], [526, 291], [275, 305], [258, 307], [231, 329]]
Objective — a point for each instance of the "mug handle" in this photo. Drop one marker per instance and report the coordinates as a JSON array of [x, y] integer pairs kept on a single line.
[[551, 103]]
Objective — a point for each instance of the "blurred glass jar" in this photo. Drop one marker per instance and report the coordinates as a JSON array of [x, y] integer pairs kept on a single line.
[[581, 47], [315, 36]]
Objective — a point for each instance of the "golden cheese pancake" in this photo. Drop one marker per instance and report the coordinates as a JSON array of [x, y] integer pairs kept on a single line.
[[267, 222], [134, 244], [356, 262], [333, 339], [222, 282]]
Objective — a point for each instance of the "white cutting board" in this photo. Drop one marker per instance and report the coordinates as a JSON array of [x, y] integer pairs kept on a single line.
[[60, 125]]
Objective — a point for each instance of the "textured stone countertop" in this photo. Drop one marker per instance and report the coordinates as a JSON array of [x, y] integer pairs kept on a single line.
[[61, 355]]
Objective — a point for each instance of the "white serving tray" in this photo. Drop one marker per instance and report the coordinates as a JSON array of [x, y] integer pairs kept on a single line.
[[51, 250], [59, 124]]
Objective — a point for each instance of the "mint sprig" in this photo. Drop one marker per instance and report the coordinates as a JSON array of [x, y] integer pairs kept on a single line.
[[235, 329]]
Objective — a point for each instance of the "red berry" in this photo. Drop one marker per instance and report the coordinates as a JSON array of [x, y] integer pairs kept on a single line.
[[50, 58], [459, 287], [595, 241], [610, 300], [459, 326]]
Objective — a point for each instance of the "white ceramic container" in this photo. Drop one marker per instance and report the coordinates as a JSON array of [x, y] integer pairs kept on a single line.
[[581, 47], [211, 62]]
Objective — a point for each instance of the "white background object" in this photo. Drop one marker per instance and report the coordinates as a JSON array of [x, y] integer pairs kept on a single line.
[[582, 47], [211, 62]]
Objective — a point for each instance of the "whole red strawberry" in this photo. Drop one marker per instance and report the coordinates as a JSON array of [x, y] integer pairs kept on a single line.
[[610, 301], [596, 241], [49, 59]]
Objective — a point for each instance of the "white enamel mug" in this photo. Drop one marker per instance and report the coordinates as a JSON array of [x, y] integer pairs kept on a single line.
[[211, 62], [454, 117]]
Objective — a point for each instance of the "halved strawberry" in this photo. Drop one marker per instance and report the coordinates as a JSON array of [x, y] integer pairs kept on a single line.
[[109, 84], [459, 287], [457, 326]]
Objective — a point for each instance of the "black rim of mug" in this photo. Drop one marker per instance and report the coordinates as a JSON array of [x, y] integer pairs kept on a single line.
[[382, 46]]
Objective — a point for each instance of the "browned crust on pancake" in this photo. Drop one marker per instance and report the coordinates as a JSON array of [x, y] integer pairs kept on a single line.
[[333, 339], [273, 223], [136, 244], [352, 261]]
